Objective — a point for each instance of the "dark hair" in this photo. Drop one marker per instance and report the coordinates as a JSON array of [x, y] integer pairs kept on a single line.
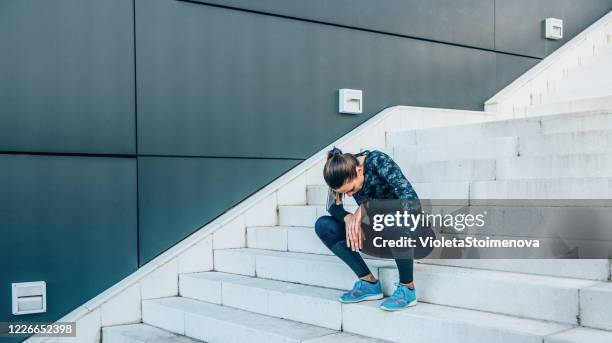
[[339, 168]]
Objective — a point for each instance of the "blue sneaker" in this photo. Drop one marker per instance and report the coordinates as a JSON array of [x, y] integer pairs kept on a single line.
[[402, 297], [363, 290]]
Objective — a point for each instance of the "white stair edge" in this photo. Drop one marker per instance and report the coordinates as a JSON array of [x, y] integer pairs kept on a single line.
[[141, 333], [580, 335]]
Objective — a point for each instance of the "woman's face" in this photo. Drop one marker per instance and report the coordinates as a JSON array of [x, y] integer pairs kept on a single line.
[[353, 186]]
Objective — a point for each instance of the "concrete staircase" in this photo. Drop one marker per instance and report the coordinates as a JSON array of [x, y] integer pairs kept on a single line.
[[283, 284]]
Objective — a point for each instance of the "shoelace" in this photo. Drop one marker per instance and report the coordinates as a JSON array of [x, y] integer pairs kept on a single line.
[[356, 287], [398, 294]]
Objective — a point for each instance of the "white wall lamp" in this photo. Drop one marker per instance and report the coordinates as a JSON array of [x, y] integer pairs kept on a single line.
[[29, 297], [554, 28], [350, 101]]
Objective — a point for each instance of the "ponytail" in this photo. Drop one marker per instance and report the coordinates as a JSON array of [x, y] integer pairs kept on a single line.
[[339, 168]]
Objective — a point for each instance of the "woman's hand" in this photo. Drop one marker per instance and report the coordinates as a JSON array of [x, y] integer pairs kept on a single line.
[[353, 230]]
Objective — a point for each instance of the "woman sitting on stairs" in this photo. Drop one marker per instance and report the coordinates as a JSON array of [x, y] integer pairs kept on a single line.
[[364, 176]]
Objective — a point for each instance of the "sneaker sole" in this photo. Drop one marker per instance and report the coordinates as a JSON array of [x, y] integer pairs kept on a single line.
[[366, 298], [399, 308]]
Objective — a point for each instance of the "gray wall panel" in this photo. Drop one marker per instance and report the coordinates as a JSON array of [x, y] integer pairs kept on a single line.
[[67, 76], [179, 195], [519, 24], [465, 22], [509, 67], [207, 74], [69, 221]]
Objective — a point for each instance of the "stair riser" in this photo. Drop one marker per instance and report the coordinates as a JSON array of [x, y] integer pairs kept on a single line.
[[211, 327], [573, 93], [596, 307], [276, 303], [518, 127], [572, 166], [432, 190], [317, 195], [448, 171], [477, 150], [140, 333], [295, 239], [163, 317], [212, 330], [321, 272], [549, 167], [304, 216], [542, 189], [590, 104], [580, 269], [584, 142]]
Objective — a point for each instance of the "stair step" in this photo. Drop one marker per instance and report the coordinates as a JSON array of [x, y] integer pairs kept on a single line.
[[596, 306], [489, 148], [215, 323], [580, 142], [561, 188], [271, 298], [303, 215], [522, 167], [317, 194], [343, 337], [447, 171], [544, 188], [566, 122], [590, 65], [286, 238], [579, 269], [533, 296], [428, 323], [580, 335], [569, 91], [141, 333], [557, 166], [587, 104], [310, 269]]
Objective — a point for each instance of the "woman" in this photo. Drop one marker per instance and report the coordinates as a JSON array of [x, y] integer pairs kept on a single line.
[[364, 176]]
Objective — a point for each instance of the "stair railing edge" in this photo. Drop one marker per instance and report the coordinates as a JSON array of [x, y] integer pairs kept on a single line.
[[492, 104]]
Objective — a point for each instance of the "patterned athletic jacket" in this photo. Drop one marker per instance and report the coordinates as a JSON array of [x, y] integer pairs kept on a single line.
[[383, 179]]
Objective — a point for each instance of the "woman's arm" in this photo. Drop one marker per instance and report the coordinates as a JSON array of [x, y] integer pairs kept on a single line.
[[352, 221], [336, 210]]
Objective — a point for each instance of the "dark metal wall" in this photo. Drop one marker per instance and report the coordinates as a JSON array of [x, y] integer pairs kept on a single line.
[[275, 80], [127, 124], [67, 76]]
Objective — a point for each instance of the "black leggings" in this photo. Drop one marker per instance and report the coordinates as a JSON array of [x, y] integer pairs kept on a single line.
[[333, 234]]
